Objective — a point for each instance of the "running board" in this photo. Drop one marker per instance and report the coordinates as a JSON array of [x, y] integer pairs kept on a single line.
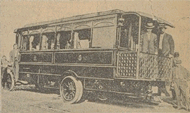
[[22, 82]]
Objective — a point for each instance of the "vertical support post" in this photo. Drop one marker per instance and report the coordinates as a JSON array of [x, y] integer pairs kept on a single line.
[[28, 40], [119, 36], [21, 40], [91, 35], [138, 50], [55, 38], [72, 36], [41, 30]]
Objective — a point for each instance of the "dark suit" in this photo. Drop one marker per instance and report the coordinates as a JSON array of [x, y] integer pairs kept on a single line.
[[167, 48], [149, 46], [167, 45]]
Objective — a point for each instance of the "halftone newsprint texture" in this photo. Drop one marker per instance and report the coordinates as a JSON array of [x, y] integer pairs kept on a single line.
[[95, 56]]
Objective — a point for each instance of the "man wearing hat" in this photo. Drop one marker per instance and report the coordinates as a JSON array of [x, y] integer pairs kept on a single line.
[[166, 48], [166, 43], [149, 40]]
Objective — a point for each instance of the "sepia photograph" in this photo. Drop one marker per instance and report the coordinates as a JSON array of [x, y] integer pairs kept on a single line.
[[97, 56]]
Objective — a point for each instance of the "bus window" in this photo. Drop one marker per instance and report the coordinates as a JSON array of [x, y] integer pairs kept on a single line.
[[64, 40], [34, 42], [25, 44], [82, 38], [129, 32], [103, 37], [48, 41]]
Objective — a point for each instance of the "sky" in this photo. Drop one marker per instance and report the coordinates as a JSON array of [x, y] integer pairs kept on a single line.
[[16, 14]]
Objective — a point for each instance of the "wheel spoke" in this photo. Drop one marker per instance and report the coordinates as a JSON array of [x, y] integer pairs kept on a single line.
[[9, 81], [65, 85], [65, 95], [71, 96], [73, 93]]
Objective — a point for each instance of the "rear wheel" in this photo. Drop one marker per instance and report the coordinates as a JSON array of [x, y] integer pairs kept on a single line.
[[71, 90]]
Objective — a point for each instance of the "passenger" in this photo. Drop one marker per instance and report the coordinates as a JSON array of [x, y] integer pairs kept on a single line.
[[76, 41], [166, 49], [31, 45], [149, 40], [25, 44], [44, 42], [166, 43], [58, 41], [52, 44], [14, 59], [148, 44], [68, 45]]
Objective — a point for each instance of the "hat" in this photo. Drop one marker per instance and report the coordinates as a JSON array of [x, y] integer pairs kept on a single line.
[[149, 25], [161, 25]]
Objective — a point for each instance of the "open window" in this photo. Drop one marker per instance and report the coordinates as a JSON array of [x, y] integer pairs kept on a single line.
[[64, 40], [31, 42], [48, 41], [25, 43], [129, 32], [81, 39], [34, 42]]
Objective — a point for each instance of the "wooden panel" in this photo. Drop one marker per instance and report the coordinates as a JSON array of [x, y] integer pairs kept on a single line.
[[88, 57], [48, 30], [34, 32], [104, 37], [66, 27], [104, 22], [82, 25], [36, 57], [24, 33]]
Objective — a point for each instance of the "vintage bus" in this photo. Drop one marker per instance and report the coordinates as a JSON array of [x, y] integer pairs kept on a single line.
[[97, 53]]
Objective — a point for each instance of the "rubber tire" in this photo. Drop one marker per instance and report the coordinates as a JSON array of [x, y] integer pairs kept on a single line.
[[10, 74], [81, 90], [78, 92]]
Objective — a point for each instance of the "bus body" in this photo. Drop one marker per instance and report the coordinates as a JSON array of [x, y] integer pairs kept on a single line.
[[96, 52]]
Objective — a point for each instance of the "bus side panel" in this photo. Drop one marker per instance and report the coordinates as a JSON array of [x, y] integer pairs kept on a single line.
[[100, 57]]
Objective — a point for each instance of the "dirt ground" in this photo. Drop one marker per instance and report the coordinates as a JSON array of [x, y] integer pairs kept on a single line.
[[26, 99]]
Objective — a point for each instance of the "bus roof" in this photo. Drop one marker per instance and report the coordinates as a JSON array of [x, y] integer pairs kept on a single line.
[[90, 15]]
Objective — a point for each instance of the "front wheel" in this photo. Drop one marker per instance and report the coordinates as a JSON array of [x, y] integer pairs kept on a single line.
[[10, 81], [71, 90]]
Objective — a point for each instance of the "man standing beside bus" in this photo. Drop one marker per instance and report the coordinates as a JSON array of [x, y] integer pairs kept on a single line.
[[166, 43], [166, 49], [14, 59]]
